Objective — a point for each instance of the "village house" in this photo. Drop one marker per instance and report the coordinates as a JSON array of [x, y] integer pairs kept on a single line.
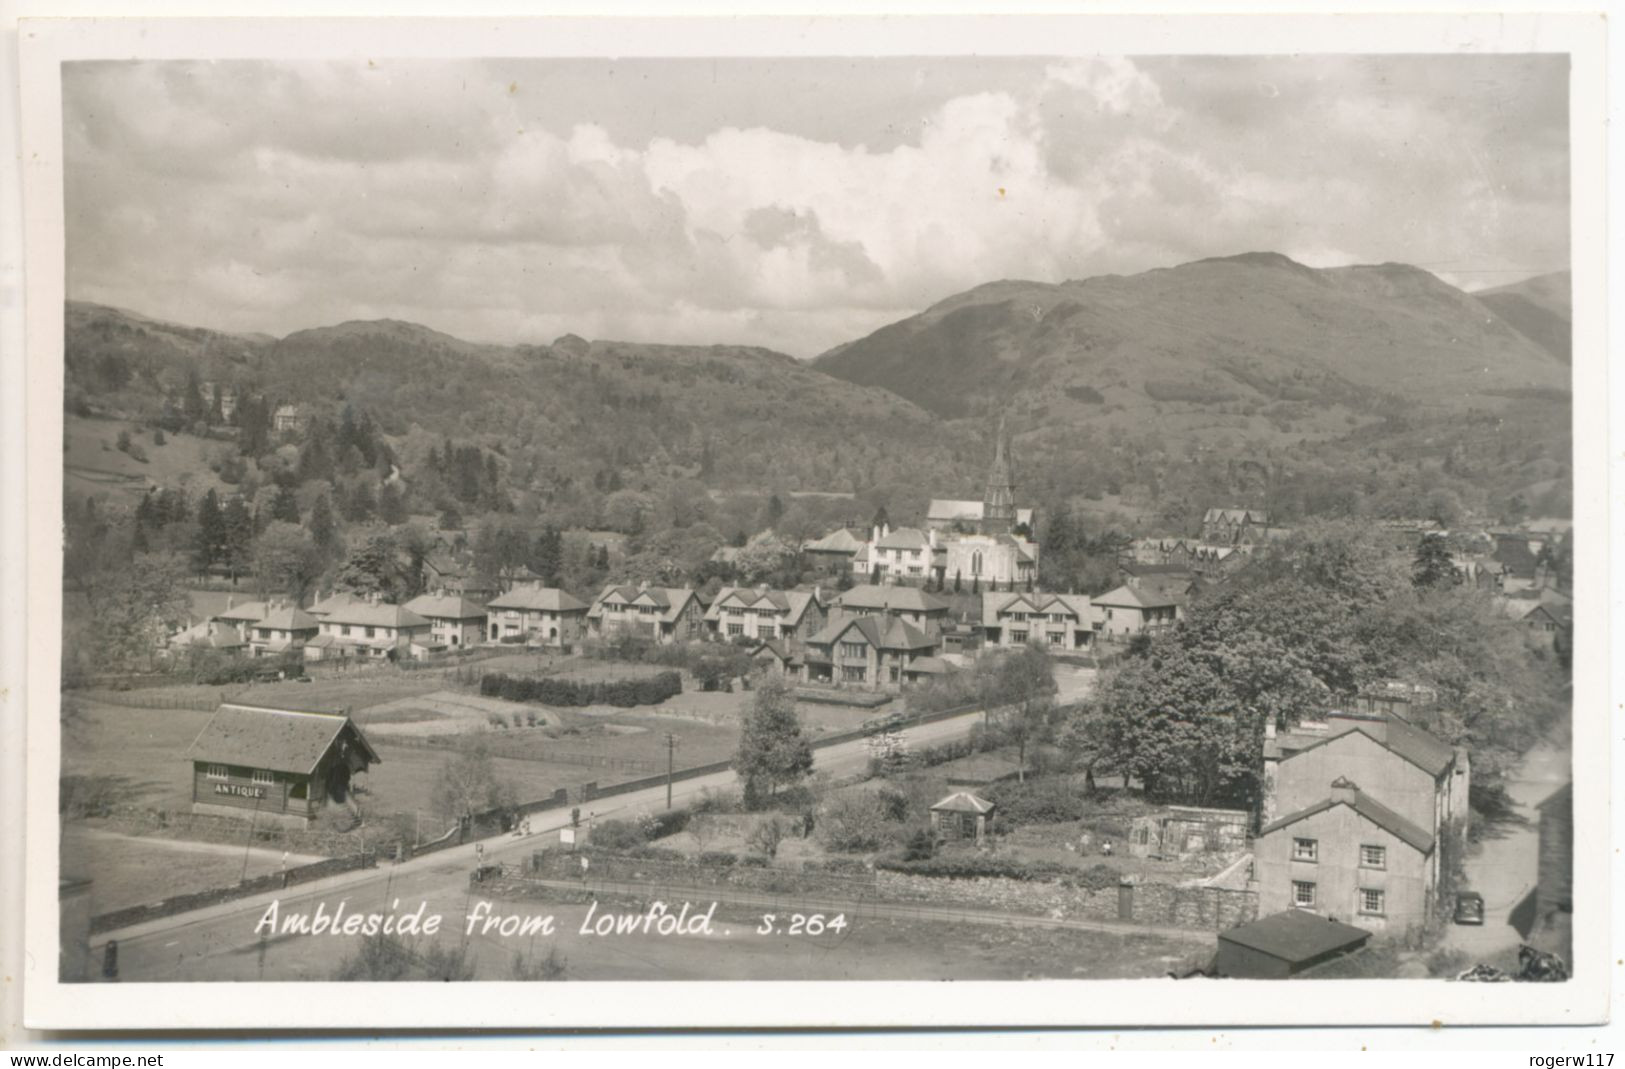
[[1126, 612], [661, 614], [455, 622], [1234, 527], [212, 633], [283, 627], [540, 615], [1421, 777], [1061, 622], [874, 652], [371, 629], [833, 554], [897, 556], [277, 765], [242, 617], [760, 613], [288, 419], [778, 658], [905, 604], [339, 599], [1348, 857]]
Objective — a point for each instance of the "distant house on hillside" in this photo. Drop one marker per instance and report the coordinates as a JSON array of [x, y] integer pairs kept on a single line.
[[660, 614], [1234, 526], [545, 616], [288, 419], [833, 554]]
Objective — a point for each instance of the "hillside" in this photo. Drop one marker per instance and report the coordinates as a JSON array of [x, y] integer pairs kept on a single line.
[[1539, 308], [558, 413], [1234, 335]]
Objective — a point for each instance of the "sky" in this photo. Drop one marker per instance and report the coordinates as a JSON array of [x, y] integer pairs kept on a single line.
[[794, 204]]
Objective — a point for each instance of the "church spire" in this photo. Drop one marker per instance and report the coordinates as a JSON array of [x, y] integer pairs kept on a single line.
[[999, 501]]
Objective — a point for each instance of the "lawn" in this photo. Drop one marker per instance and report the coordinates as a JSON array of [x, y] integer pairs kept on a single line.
[[140, 748], [93, 463], [131, 871]]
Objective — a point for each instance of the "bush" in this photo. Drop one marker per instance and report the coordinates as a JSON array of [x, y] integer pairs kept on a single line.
[[921, 846], [617, 835], [718, 858], [852, 822], [754, 861], [623, 693], [1046, 800]]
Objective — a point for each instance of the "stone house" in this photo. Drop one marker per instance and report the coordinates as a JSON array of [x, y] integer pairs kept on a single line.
[[760, 613], [455, 622], [1351, 858], [875, 652], [1127, 611]]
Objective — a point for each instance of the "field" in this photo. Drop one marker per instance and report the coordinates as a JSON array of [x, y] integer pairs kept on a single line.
[[90, 469], [131, 871]]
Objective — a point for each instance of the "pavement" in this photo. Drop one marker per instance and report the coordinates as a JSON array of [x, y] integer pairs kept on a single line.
[[1505, 867], [187, 946]]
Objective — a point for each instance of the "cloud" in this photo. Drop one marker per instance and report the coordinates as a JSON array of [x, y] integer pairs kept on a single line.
[[518, 200]]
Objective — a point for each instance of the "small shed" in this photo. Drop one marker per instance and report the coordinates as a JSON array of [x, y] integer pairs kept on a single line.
[[269, 763], [962, 815], [1285, 944]]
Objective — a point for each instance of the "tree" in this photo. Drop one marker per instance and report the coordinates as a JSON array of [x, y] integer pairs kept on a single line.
[[773, 752], [375, 568], [238, 526], [501, 544], [286, 559], [1024, 685], [468, 785], [285, 506], [324, 528], [391, 505], [1433, 566], [209, 547], [193, 408], [361, 503], [135, 609]]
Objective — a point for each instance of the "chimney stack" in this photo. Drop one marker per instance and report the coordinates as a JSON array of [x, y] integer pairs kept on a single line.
[[1344, 790]]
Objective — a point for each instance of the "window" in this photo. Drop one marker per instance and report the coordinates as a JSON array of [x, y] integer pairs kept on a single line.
[[264, 777], [852, 673], [1305, 849], [1370, 900], [216, 772], [1018, 636], [1373, 857], [852, 649], [372, 632], [765, 631], [1056, 638], [736, 629], [345, 630], [1303, 894]]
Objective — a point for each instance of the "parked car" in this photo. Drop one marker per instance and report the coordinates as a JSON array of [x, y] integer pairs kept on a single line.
[[1469, 907]]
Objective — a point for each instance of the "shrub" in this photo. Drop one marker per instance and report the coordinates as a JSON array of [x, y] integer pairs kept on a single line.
[[757, 861], [920, 846], [623, 693], [667, 822], [617, 835], [853, 822], [718, 858], [1045, 800]]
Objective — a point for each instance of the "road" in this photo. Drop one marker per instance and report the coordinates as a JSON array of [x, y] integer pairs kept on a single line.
[[219, 942], [1504, 869]]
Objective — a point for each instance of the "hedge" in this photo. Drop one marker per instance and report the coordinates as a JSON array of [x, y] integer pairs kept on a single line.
[[971, 866], [625, 693]]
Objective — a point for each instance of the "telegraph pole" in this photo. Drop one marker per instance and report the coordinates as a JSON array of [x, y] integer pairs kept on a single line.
[[671, 749]]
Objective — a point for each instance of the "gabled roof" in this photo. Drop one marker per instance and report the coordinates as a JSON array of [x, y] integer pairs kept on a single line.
[[891, 599], [1368, 808], [668, 601], [1258, 516], [1296, 935], [537, 599], [839, 540], [964, 802], [996, 605], [778, 649], [248, 610], [288, 618], [1128, 597], [367, 614], [445, 607], [881, 632], [281, 740], [931, 666], [1562, 798], [791, 604], [904, 538], [339, 599], [1405, 740]]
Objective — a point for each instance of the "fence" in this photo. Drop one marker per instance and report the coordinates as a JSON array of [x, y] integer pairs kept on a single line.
[[130, 699], [122, 918]]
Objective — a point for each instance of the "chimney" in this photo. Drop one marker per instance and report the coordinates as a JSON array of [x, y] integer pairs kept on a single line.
[[1344, 790], [231, 601], [1269, 728], [643, 584], [931, 537], [818, 593], [874, 533]]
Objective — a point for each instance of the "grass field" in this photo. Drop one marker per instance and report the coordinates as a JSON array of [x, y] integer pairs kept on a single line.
[[91, 469], [130, 871]]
